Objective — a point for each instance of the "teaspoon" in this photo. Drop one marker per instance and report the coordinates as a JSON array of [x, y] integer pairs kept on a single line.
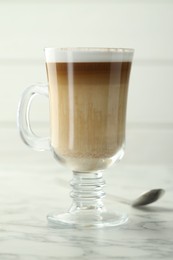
[[144, 199], [148, 197]]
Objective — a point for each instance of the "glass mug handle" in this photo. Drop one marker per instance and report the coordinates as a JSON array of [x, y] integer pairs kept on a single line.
[[23, 118]]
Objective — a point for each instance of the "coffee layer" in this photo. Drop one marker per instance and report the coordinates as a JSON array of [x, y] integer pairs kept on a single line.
[[88, 109]]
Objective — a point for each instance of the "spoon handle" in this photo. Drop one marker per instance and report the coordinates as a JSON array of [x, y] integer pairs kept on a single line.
[[118, 199]]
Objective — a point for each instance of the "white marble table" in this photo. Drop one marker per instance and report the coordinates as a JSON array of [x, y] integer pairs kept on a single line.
[[33, 184]]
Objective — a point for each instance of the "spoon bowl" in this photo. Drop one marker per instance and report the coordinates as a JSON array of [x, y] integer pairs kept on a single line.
[[148, 197]]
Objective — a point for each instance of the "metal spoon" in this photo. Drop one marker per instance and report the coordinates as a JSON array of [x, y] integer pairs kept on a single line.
[[144, 199], [148, 197]]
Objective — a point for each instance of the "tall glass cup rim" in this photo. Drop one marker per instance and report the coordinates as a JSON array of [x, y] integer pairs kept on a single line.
[[89, 49], [88, 54]]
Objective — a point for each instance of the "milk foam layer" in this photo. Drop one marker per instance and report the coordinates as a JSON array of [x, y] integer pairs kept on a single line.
[[88, 55]]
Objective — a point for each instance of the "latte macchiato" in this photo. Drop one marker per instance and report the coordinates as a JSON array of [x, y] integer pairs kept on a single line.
[[87, 90], [88, 109]]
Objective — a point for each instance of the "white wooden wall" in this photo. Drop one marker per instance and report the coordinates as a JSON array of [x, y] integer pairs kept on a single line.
[[26, 27]]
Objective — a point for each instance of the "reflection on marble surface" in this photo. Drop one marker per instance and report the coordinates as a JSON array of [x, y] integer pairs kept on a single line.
[[33, 184]]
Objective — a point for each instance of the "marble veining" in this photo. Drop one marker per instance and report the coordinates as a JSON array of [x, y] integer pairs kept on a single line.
[[32, 184]]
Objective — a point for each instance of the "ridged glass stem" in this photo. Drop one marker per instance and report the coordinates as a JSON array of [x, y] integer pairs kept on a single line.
[[87, 192]]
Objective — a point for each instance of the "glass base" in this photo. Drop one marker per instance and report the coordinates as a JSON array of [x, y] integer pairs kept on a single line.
[[87, 210], [91, 219]]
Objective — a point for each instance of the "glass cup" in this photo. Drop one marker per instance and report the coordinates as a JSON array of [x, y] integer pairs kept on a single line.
[[87, 90]]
